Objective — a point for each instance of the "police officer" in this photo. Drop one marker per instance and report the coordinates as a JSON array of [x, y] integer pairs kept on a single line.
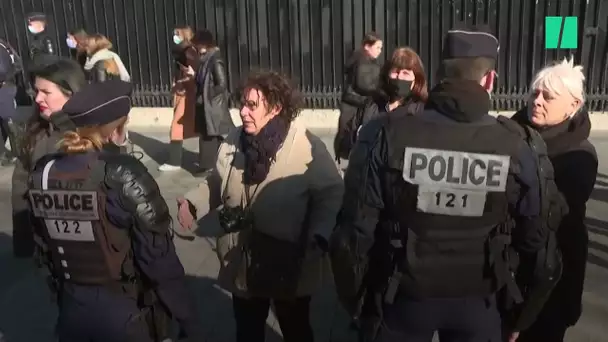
[[103, 229], [427, 232], [9, 67], [41, 47]]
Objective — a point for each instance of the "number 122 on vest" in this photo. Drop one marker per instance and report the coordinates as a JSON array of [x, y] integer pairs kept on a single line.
[[70, 230]]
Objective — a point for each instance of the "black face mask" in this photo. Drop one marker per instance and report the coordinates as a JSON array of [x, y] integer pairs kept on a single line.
[[398, 89]]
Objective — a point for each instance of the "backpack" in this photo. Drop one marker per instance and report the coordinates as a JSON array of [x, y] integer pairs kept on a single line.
[[346, 138], [16, 63]]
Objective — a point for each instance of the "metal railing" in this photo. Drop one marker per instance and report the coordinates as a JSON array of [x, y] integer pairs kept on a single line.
[[311, 39]]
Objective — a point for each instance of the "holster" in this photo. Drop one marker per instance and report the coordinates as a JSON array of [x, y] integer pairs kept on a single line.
[[157, 317]]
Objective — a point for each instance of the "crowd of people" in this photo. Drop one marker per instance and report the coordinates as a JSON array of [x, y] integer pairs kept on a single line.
[[447, 219]]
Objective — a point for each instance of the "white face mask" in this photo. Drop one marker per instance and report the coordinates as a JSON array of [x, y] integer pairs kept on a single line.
[[177, 39], [71, 43], [32, 29]]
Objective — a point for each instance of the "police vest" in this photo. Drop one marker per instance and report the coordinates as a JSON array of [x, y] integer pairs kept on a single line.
[[72, 229], [450, 204]]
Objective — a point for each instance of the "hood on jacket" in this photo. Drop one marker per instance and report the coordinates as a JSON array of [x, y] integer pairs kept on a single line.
[[460, 100]]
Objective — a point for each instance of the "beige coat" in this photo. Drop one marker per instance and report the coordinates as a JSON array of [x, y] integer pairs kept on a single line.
[[303, 181]]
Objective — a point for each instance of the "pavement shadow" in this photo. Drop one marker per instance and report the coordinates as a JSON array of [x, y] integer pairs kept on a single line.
[[27, 310], [603, 175], [601, 179], [214, 311], [159, 151], [601, 228], [600, 194], [12, 268]]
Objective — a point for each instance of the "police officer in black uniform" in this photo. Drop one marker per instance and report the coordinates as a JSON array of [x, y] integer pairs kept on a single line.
[[41, 47], [436, 208], [103, 229]]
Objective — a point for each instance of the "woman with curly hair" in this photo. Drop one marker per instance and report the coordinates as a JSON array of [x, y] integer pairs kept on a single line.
[[272, 199]]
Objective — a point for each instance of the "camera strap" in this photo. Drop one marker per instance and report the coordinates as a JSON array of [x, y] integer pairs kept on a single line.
[[248, 194]]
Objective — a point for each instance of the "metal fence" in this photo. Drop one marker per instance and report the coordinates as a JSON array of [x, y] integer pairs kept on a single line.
[[311, 39]]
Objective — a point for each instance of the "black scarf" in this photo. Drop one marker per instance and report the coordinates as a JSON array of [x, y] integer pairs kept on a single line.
[[261, 150], [561, 137]]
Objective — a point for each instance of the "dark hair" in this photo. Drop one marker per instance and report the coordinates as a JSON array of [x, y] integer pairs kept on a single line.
[[36, 16], [204, 38], [370, 38], [81, 37], [277, 89], [470, 68], [406, 58], [77, 32], [69, 77]]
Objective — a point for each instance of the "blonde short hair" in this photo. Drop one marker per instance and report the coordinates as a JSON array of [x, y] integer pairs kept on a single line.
[[96, 42], [562, 75]]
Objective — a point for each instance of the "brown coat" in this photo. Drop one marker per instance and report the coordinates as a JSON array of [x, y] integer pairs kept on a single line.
[[303, 183], [184, 100]]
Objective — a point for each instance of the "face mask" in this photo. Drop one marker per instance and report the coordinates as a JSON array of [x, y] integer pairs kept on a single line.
[[32, 29], [177, 40], [398, 89], [71, 43]]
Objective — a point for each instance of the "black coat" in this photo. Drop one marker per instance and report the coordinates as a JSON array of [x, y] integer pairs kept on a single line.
[[361, 79], [575, 165], [360, 83], [42, 50], [377, 108], [212, 113], [23, 240]]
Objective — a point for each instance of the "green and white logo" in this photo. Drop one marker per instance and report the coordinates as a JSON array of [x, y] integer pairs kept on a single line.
[[561, 32]]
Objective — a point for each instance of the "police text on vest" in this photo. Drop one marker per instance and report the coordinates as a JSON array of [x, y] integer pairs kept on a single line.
[[64, 204], [67, 213], [452, 182]]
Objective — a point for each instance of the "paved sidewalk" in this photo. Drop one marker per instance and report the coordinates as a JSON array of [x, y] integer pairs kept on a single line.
[[27, 313]]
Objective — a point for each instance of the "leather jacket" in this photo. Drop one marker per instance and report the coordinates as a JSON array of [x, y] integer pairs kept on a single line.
[[142, 208], [361, 79]]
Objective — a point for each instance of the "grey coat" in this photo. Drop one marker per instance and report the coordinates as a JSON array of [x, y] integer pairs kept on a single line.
[[23, 239]]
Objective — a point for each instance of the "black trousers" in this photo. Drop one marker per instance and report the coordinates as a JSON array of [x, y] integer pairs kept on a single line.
[[469, 319], [95, 314], [207, 151], [293, 316]]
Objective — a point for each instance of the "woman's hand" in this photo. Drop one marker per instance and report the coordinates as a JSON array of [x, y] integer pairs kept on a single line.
[[514, 336], [187, 70], [184, 214]]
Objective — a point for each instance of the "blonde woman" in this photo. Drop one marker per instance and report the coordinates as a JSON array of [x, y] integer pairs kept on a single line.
[[112, 244], [184, 96], [102, 63]]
